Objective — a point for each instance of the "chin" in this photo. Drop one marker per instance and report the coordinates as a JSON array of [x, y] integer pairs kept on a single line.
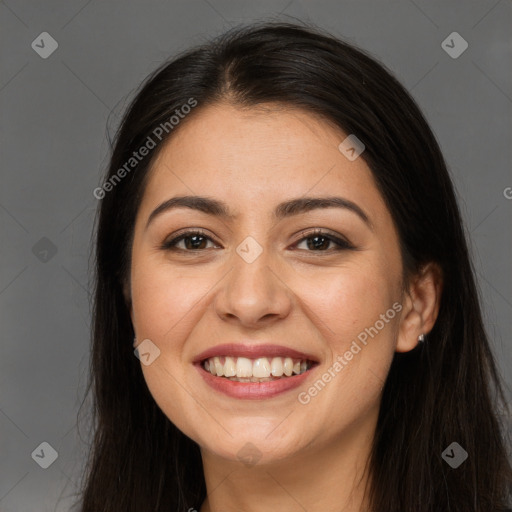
[[252, 447]]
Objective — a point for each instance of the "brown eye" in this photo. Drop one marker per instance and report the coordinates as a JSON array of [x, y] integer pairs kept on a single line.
[[319, 241], [193, 241], [316, 241]]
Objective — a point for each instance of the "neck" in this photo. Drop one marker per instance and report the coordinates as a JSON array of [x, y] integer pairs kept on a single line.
[[329, 477]]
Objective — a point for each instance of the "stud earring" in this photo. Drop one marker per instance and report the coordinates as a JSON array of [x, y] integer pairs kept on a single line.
[[421, 338]]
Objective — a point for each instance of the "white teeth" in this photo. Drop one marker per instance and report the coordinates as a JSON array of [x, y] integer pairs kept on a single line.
[[263, 369], [219, 368], [288, 366], [276, 367], [229, 367], [243, 367]]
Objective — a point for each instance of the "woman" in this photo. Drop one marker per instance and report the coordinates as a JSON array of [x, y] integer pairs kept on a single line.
[[279, 237]]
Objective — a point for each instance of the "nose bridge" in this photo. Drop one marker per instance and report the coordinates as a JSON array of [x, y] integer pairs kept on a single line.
[[253, 289]]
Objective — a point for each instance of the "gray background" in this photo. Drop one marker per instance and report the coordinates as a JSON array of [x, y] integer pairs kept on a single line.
[[54, 115]]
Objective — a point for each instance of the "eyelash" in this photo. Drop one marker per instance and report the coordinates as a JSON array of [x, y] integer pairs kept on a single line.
[[170, 245]]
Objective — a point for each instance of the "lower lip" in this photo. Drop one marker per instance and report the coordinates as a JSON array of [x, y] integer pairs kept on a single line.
[[253, 390]]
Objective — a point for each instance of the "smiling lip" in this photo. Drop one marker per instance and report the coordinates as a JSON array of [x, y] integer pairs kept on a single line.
[[253, 390], [252, 352]]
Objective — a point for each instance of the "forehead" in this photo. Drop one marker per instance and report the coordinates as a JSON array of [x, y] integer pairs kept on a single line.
[[257, 157]]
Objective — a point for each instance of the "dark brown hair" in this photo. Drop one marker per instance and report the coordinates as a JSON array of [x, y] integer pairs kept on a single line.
[[448, 389]]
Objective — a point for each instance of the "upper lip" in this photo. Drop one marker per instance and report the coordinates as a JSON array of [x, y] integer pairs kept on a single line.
[[252, 351]]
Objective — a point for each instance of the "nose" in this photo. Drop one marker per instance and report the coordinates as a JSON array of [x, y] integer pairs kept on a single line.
[[253, 294]]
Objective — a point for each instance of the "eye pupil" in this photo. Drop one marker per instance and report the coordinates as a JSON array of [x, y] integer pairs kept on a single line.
[[316, 245], [194, 244]]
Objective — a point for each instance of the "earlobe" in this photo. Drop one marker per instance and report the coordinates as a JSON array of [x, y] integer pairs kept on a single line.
[[422, 307]]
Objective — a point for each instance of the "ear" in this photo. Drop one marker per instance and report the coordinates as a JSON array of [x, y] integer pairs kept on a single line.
[[420, 306]]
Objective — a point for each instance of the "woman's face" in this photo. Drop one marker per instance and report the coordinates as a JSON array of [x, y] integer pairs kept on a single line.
[[261, 284]]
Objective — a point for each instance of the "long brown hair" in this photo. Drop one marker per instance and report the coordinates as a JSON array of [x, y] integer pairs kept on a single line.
[[446, 390]]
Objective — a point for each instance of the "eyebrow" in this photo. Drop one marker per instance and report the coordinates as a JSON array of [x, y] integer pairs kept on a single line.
[[283, 210]]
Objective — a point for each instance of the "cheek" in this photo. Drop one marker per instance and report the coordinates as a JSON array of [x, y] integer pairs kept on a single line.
[[165, 309], [164, 301], [350, 300], [357, 311]]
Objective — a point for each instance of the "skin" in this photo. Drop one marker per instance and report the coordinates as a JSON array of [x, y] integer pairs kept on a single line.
[[314, 300]]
